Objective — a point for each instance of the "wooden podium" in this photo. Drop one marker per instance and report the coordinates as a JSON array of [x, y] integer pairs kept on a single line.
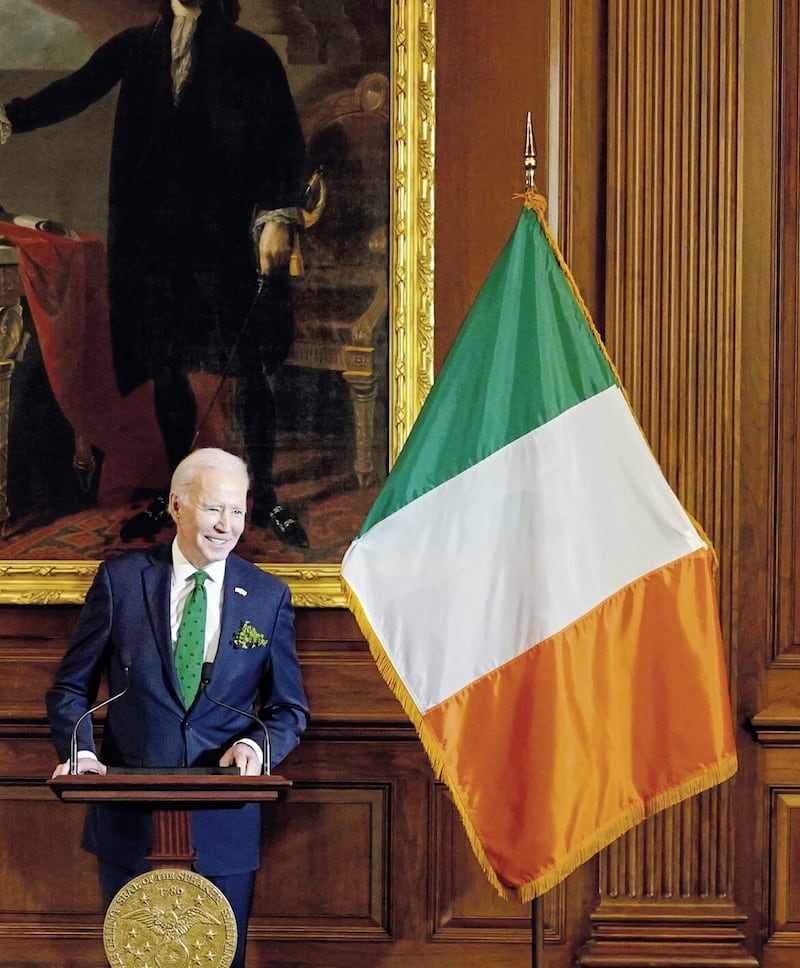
[[170, 909], [171, 795]]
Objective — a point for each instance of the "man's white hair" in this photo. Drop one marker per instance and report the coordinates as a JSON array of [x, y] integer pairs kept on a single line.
[[199, 460]]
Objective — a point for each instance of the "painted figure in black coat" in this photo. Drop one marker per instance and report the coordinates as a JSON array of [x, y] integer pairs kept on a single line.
[[207, 171]]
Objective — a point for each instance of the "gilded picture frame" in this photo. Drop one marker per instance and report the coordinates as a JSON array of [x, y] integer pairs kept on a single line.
[[410, 317]]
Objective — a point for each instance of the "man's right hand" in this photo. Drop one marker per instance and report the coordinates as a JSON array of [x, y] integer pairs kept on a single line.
[[86, 764]]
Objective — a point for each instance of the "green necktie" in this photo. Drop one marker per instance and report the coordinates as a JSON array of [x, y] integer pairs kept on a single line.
[[192, 640]]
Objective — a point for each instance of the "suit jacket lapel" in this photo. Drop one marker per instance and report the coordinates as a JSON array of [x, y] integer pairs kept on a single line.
[[156, 586], [234, 609]]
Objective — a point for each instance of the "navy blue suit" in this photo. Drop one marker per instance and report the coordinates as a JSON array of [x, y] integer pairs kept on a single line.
[[127, 610]]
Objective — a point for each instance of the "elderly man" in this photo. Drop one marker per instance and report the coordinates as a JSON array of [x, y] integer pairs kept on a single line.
[[136, 614], [207, 172]]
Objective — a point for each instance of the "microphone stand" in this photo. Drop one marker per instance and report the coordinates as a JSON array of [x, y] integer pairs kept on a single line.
[[205, 678], [73, 745], [125, 659]]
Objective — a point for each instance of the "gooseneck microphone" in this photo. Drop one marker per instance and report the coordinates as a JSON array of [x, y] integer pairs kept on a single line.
[[125, 662], [206, 675]]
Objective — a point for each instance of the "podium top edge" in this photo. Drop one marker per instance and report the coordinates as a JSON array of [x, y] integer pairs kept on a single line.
[[168, 787]]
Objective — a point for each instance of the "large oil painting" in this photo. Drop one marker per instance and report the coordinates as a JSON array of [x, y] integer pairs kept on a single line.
[[82, 462]]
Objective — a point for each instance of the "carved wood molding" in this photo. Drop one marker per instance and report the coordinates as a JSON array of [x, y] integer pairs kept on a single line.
[[777, 724]]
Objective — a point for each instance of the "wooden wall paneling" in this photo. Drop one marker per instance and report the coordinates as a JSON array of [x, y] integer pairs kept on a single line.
[[578, 145], [785, 651], [465, 906], [784, 923], [327, 874], [495, 63], [770, 73], [341, 678], [34, 829], [777, 723], [771, 690], [349, 872], [780, 902], [492, 66], [367, 864], [672, 320], [50, 901]]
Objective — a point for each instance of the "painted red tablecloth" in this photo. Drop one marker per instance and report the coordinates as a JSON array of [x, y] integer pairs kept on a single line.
[[65, 283]]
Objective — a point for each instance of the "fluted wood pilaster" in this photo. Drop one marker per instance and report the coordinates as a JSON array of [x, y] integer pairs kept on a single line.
[[671, 326], [672, 200]]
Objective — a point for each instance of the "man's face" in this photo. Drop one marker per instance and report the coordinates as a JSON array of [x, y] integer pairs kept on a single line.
[[211, 519]]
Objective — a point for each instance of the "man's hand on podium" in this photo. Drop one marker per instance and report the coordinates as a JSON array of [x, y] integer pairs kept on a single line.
[[241, 755], [245, 757], [86, 764]]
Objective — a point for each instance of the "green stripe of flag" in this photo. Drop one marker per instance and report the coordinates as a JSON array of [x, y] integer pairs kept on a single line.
[[525, 354]]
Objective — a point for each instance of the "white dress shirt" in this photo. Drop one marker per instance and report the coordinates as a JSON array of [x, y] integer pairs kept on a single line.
[[180, 588]]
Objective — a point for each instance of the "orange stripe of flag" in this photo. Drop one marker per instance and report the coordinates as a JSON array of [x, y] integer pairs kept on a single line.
[[623, 713]]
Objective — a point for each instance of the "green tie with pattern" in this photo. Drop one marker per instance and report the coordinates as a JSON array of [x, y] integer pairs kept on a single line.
[[192, 640]]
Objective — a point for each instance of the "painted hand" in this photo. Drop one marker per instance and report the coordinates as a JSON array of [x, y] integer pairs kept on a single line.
[[275, 247]]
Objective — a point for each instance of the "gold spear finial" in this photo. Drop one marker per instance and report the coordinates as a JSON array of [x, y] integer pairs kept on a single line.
[[530, 155]]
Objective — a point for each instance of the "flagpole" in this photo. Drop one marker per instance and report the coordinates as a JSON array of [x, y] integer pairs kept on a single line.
[[537, 933], [537, 915]]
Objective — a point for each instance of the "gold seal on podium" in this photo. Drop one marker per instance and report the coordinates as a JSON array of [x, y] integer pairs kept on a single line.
[[169, 919]]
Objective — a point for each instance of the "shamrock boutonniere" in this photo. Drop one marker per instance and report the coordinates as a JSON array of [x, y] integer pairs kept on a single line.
[[248, 637]]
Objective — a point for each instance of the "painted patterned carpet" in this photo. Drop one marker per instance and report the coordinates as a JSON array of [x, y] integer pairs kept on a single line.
[[328, 503]]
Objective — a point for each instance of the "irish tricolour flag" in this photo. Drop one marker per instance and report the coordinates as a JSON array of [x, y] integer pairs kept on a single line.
[[534, 592]]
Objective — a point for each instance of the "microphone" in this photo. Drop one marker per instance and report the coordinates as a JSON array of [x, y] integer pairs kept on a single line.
[[206, 675], [125, 662]]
